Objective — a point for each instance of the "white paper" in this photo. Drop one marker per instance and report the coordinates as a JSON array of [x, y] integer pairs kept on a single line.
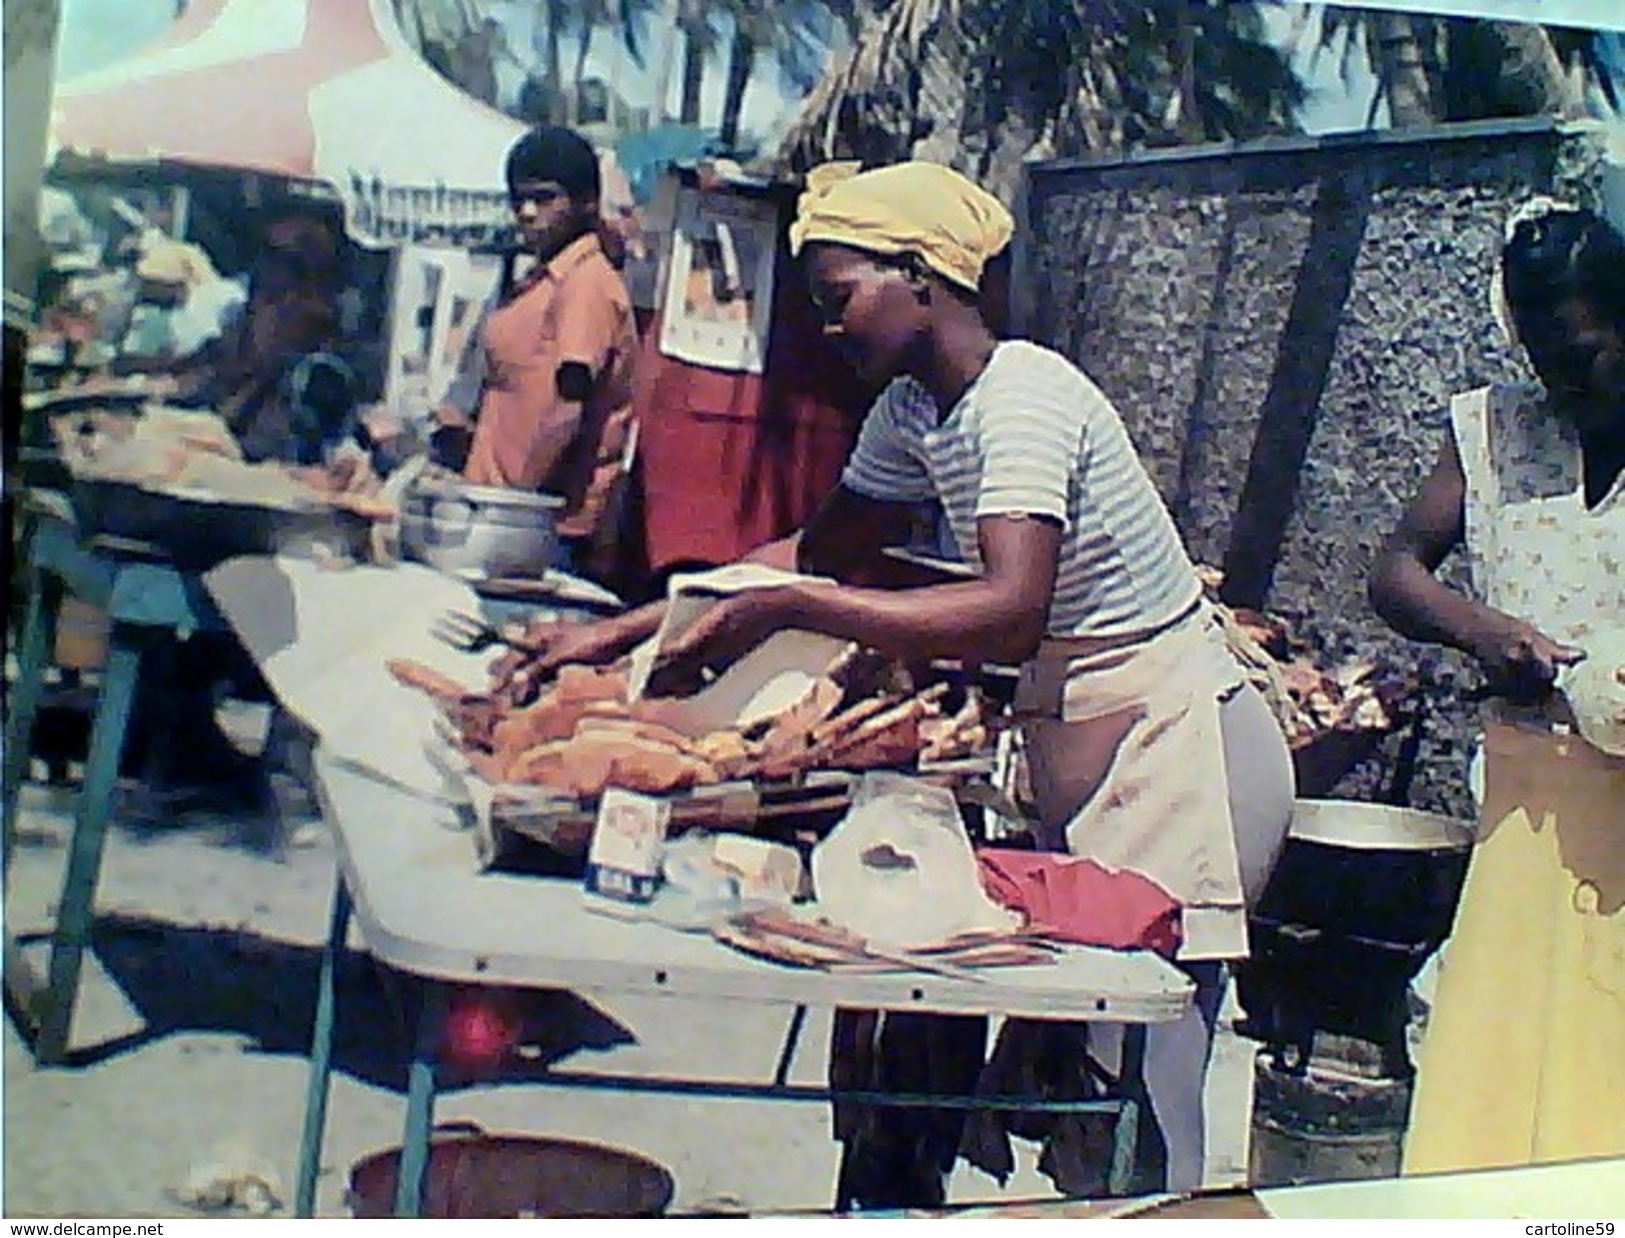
[[768, 680], [1584, 1190], [322, 636], [718, 305]]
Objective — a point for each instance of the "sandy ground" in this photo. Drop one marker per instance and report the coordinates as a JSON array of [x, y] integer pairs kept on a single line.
[[194, 1018]]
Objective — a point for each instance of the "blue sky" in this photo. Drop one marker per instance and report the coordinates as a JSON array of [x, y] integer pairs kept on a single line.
[[97, 32]]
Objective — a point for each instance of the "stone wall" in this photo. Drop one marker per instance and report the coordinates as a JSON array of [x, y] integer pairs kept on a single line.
[[1282, 325]]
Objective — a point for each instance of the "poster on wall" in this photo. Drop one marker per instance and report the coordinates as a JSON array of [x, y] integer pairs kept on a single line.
[[438, 297], [719, 282]]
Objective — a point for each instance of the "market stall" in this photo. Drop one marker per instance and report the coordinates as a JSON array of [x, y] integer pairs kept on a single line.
[[705, 845], [404, 879], [242, 136], [736, 379], [805, 819]]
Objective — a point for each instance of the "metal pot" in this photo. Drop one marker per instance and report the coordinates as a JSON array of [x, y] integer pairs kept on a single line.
[[471, 1174], [1360, 897], [479, 532]]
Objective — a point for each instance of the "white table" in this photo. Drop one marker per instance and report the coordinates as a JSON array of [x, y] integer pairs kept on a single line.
[[409, 876]]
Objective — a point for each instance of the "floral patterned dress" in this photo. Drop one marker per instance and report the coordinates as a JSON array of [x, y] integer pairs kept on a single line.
[[1524, 1057]]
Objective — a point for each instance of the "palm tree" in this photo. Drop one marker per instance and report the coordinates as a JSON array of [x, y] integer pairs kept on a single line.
[[984, 83], [699, 42], [624, 17], [684, 22], [670, 33], [742, 49], [457, 38], [1431, 70], [797, 34]]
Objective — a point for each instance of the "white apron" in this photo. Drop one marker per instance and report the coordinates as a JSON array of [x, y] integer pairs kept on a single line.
[[1127, 766]]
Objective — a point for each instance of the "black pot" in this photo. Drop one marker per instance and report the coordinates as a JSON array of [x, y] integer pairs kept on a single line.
[[1361, 896]]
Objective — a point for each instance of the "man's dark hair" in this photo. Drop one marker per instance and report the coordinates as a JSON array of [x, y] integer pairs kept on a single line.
[[555, 153]]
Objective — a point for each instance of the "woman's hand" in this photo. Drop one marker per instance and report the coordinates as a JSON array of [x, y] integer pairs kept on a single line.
[[1519, 661], [726, 632], [553, 643], [565, 642]]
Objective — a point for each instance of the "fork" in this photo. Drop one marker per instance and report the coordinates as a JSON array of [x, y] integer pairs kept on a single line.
[[470, 634]]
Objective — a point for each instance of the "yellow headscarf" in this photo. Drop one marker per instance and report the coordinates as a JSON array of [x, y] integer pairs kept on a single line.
[[915, 207]]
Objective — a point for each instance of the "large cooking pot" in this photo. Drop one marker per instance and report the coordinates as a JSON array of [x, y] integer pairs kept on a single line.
[[1361, 896], [479, 532], [472, 1174]]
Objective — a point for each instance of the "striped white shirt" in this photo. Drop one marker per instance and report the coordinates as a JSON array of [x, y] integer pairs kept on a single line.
[[1034, 435]]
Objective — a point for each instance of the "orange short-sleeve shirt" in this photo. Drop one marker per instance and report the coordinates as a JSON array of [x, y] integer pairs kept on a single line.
[[573, 308]]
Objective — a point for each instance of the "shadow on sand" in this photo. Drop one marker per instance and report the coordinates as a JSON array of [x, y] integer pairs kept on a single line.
[[194, 978]]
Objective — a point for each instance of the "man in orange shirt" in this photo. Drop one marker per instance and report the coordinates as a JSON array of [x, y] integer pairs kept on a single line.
[[554, 409]]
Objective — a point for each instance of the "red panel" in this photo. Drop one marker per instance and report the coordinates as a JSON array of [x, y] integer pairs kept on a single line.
[[730, 461]]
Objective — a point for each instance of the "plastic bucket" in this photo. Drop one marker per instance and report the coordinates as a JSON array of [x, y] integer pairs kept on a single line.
[[471, 1174]]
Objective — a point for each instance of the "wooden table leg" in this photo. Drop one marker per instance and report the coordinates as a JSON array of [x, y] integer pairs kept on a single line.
[[127, 644], [421, 1086], [321, 1054]]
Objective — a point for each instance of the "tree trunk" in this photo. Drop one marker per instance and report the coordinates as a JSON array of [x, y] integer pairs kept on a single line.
[[693, 76], [741, 61], [579, 72], [558, 105], [670, 31], [545, 43], [1189, 121], [1402, 60]]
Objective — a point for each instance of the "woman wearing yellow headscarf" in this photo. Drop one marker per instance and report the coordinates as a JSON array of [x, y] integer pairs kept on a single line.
[[1146, 747]]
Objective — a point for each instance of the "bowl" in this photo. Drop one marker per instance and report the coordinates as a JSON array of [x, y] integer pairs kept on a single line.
[[479, 532]]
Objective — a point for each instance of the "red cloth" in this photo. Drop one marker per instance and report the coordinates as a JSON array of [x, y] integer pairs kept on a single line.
[[728, 461], [1071, 898]]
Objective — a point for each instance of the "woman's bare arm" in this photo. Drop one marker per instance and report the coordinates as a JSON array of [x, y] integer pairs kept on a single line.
[[847, 537], [1000, 616], [1405, 590]]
